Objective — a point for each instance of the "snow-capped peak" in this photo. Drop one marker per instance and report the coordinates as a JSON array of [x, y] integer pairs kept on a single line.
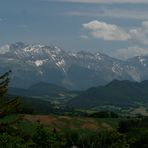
[[57, 49], [32, 48]]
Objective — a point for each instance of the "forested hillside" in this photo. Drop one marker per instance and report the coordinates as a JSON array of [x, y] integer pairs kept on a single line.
[[121, 93]]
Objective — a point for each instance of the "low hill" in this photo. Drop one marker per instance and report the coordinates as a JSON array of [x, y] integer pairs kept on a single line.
[[116, 93], [40, 89]]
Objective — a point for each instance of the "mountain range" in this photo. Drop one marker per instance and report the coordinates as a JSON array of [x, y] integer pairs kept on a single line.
[[31, 64]]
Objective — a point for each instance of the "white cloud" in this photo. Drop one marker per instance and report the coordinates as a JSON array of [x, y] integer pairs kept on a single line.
[[4, 49], [23, 26], [112, 13], [129, 52], [109, 32], [145, 24], [84, 37], [3, 19], [140, 34], [103, 1]]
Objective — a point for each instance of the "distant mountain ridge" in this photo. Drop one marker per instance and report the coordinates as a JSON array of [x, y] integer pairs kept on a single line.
[[120, 93], [39, 63], [39, 90]]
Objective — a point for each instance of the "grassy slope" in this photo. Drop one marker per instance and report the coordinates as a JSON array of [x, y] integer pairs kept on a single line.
[[80, 124], [63, 123]]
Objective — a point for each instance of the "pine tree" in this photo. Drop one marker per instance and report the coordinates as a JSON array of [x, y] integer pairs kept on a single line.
[[4, 81], [6, 105]]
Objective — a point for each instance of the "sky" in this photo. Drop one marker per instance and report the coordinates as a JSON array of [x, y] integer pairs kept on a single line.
[[118, 28]]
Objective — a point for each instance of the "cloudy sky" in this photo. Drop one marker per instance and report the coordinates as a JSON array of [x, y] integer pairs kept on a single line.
[[116, 27]]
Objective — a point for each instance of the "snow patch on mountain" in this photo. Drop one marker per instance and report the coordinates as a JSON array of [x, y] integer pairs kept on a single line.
[[39, 63], [4, 49], [117, 68], [61, 63], [57, 49], [98, 56], [73, 54], [142, 61]]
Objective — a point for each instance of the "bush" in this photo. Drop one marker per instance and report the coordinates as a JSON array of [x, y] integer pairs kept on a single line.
[[45, 139]]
